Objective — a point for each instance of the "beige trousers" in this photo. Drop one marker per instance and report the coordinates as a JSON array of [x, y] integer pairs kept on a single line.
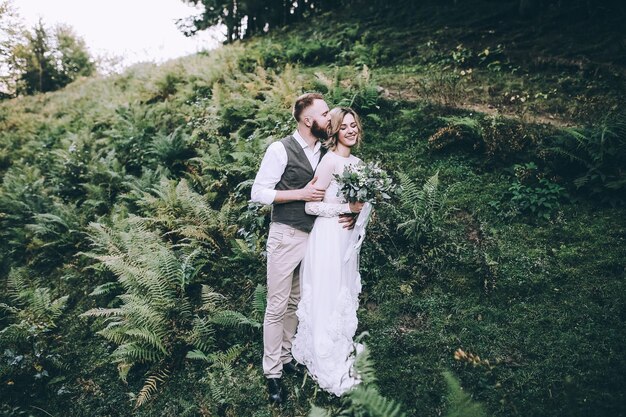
[[285, 249]]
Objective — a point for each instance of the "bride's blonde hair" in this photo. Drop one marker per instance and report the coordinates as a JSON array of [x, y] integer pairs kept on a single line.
[[336, 119]]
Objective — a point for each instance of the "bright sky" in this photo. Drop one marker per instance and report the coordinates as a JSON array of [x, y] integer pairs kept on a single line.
[[138, 30]]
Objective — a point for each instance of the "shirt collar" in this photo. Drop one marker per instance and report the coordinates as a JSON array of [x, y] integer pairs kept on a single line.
[[303, 143]]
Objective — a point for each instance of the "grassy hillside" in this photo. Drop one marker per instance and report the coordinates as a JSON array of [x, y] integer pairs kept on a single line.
[[500, 267]]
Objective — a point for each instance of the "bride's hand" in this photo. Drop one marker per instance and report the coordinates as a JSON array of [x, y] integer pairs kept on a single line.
[[356, 206]]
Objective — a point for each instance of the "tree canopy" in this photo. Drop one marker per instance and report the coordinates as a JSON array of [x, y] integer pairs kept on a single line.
[[245, 18], [41, 59]]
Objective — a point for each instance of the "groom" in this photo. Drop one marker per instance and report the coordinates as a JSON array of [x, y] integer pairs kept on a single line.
[[286, 180]]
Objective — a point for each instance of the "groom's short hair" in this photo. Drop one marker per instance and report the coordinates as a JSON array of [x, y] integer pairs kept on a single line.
[[304, 101]]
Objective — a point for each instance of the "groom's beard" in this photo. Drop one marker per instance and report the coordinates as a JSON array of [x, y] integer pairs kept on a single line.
[[318, 131]]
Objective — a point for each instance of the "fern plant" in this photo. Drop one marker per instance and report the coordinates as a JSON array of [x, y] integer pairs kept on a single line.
[[259, 302], [106, 177], [22, 194], [425, 207], [220, 377], [365, 399], [359, 92], [460, 404], [595, 157], [54, 234], [131, 135], [183, 214], [173, 150], [424, 222], [33, 305], [157, 321], [31, 315]]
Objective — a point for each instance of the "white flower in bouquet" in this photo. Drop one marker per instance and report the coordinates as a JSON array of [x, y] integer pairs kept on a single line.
[[365, 182]]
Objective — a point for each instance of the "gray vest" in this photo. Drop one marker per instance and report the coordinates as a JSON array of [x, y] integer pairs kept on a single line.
[[298, 173]]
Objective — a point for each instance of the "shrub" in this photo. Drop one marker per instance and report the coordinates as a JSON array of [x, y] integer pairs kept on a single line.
[[498, 138], [532, 193], [167, 85], [356, 89], [459, 131]]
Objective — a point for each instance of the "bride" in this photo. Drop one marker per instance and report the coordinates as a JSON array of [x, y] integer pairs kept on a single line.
[[331, 284]]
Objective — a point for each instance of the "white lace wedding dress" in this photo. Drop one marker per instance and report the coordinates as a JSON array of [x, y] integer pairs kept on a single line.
[[330, 288]]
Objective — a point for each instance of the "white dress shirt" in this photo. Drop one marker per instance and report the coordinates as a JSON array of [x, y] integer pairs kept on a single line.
[[273, 166]]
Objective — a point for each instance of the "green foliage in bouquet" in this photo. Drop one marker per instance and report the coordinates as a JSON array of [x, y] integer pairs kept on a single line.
[[365, 182]]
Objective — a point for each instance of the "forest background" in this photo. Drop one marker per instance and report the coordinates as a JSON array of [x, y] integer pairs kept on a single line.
[[132, 264]]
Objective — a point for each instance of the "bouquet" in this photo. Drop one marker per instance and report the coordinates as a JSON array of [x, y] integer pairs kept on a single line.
[[365, 182]]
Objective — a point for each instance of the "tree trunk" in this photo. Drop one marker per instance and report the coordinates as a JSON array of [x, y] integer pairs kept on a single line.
[[230, 22], [286, 9]]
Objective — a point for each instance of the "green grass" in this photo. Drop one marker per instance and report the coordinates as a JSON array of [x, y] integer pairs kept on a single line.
[[542, 300]]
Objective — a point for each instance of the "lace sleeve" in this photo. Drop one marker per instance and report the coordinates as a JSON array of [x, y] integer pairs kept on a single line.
[[324, 174], [326, 209]]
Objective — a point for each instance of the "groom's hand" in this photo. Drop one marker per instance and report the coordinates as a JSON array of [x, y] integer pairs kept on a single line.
[[348, 220], [311, 193]]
